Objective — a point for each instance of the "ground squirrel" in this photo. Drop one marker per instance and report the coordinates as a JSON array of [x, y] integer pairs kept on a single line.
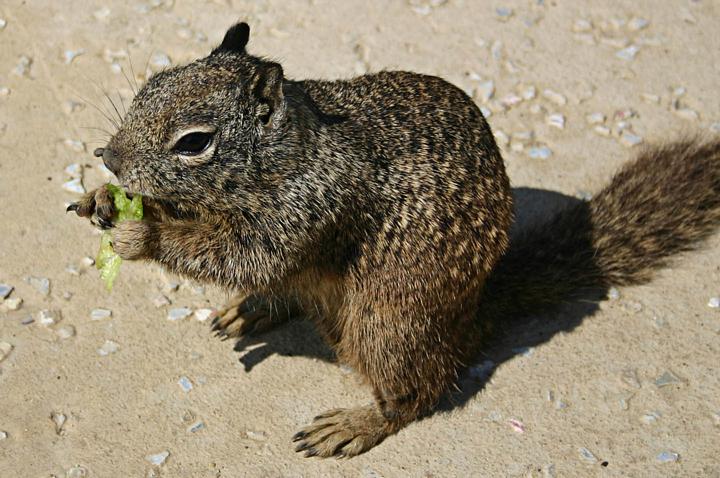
[[379, 207]]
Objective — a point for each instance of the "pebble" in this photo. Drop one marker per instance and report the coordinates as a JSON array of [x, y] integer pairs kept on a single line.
[[628, 139], [48, 317], [74, 170], [41, 284], [100, 314], [5, 290], [549, 471], [5, 349], [529, 93], [109, 347], [587, 455], [504, 13], [88, 261], [650, 98], [540, 152], [196, 427], [668, 457], [714, 302], [651, 417], [557, 120], [630, 377], [602, 130], [27, 320], [613, 293], [159, 458], [496, 49], [160, 60], [3, 23], [3, 435], [257, 436], [65, 332], [185, 384], [517, 425], [615, 42], [581, 25], [511, 99], [202, 315], [59, 420], [74, 186], [595, 118], [4, 91], [13, 303], [74, 144], [485, 91], [77, 472], [102, 13], [70, 55], [667, 378], [485, 112], [501, 137], [687, 114], [71, 106], [179, 313], [636, 24], [628, 53], [23, 66], [72, 269], [160, 301], [555, 97]]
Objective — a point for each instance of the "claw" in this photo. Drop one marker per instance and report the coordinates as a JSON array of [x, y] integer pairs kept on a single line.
[[72, 207], [299, 436], [311, 452], [302, 446], [104, 223]]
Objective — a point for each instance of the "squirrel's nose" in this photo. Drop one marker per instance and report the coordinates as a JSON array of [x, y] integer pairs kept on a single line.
[[112, 162]]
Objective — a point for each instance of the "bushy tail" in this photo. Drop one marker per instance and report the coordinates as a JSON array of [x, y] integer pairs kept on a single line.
[[660, 204]]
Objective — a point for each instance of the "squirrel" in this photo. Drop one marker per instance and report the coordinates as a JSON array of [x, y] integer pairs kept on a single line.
[[380, 208]]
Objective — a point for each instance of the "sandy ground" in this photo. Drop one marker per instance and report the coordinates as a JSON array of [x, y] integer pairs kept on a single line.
[[590, 386]]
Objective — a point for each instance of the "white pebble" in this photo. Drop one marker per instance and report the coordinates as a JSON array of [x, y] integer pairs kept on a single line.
[[109, 347], [3, 23], [540, 152], [582, 25], [637, 23], [524, 135], [159, 458], [13, 303], [628, 139], [628, 53], [587, 455], [557, 120], [70, 55], [613, 294], [650, 98], [76, 472], [184, 33], [59, 420], [595, 118], [668, 457], [102, 13], [485, 91], [74, 170], [160, 301], [602, 130], [485, 112], [511, 99], [687, 114], [679, 91], [4, 91], [651, 417], [5, 290], [555, 97], [3, 435], [74, 186], [100, 314], [88, 261], [179, 313], [5, 349], [504, 13], [72, 269], [23, 66], [202, 315], [257, 436], [529, 93], [185, 384], [714, 302], [65, 332], [196, 427], [501, 137], [71, 106], [75, 145], [160, 60], [48, 317], [496, 49]]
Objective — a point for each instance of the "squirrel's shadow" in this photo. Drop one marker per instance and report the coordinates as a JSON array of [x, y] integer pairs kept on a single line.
[[516, 336]]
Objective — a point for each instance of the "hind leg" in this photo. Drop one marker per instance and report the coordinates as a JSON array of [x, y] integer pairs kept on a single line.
[[249, 314]]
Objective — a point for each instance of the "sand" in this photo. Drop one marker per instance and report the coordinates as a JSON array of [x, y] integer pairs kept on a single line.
[[589, 383]]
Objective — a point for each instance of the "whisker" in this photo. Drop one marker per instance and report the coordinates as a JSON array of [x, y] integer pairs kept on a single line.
[[113, 105], [99, 110], [132, 71]]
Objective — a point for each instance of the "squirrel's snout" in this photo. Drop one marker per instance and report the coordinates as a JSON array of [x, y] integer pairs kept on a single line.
[[112, 162]]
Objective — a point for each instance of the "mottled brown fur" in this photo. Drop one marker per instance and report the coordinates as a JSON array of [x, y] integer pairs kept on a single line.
[[379, 206]]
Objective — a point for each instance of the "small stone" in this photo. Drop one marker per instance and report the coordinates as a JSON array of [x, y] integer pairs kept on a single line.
[[651, 417], [74, 170], [71, 106], [595, 118], [555, 97], [100, 314], [540, 152], [485, 91], [613, 294], [496, 50], [529, 93], [628, 139], [27, 320], [687, 114], [628, 53], [587, 455], [257, 436], [160, 61], [5, 349], [584, 195], [581, 25], [102, 13], [196, 427], [557, 120], [549, 471], [185, 384], [179, 313], [650, 98], [4, 91], [59, 420], [160, 301], [586, 38], [602, 130], [109, 347], [159, 458], [679, 91], [667, 457], [74, 186], [511, 99], [5, 290], [667, 378], [171, 286], [714, 303], [13, 303], [3, 435], [524, 135], [524, 351], [501, 137], [77, 472], [41, 284], [3, 23], [74, 144], [48, 317], [88, 261], [422, 9], [65, 332], [636, 24], [184, 33], [630, 377], [504, 13], [517, 425], [485, 112], [23, 66], [70, 55], [67, 295], [202, 315], [615, 42]]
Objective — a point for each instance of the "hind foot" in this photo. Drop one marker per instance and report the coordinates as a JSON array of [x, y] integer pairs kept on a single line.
[[249, 315]]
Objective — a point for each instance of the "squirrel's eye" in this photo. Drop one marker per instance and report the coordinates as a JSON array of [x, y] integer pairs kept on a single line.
[[193, 144]]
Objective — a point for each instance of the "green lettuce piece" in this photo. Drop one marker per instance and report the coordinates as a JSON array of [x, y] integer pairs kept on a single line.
[[107, 261]]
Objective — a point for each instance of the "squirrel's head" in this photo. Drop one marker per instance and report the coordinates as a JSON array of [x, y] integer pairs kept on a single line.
[[195, 129]]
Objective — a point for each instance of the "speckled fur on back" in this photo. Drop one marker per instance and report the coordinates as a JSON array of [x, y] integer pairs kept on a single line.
[[379, 206]]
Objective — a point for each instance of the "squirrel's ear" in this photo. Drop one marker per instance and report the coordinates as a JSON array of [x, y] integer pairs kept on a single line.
[[235, 39], [266, 86]]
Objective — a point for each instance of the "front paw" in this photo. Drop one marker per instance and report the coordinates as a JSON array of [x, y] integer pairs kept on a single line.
[[133, 240]]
